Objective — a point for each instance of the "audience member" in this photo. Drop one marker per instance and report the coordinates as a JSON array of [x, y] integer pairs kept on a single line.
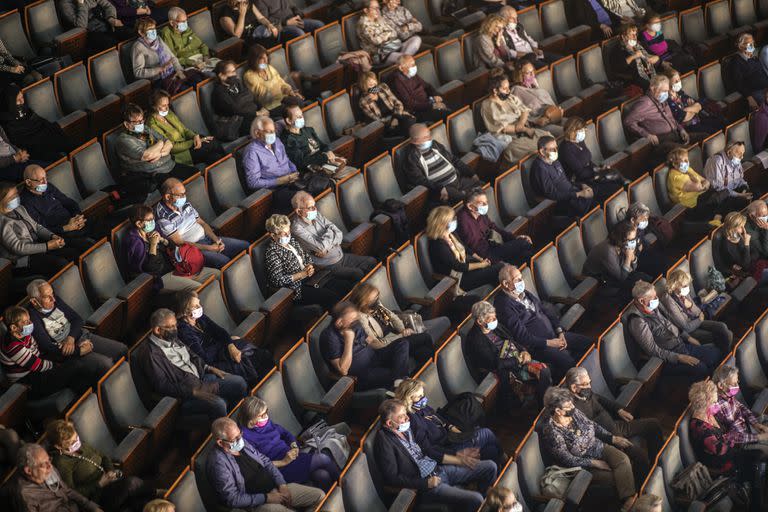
[[745, 73], [627, 10], [13, 70], [418, 96], [507, 119], [571, 440], [91, 473], [685, 313], [405, 462], [268, 87], [13, 160], [31, 248], [593, 14], [655, 335], [757, 229], [743, 425], [305, 148], [130, 12], [168, 367], [668, 50], [535, 325], [378, 103], [629, 62], [489, 348], [688, 111], [483, 237], [234, 107], [549, 180], [187, 46], [725, 174], [215, 346], [428, 163], [758, 128], [687, 187], [490, 48], [734, 258], [61, 336], [281, 447], [153, 60], [241, 19], [266, 165], [40, 487], [242, 477], [288, 265], [405, 23], [99, 18], [348, 350], [159, 505], [189, 148], [648, 503], [519, 44], [179, 223], [653, 260], [22, 360], [502, 499], [287, 18], [544, 112], [379, 37]]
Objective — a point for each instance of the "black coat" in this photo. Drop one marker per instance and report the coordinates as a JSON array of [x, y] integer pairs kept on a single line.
[[395, 464]]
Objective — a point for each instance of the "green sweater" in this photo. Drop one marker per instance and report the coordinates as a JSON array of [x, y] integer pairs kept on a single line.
[[184, 45], [80, 474], [175, 131]]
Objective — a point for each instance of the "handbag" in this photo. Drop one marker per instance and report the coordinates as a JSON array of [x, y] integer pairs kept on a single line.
[[555, 481], [187, 260], [692, 482], [319, 278], [412, 321], [321, 437], [715, 280]]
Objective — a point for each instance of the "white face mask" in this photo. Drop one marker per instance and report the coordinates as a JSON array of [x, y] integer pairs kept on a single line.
[[163, 113], [403, 427], [511, 26], [642, 224], [412, 71], [685, 291], [197, 312], [677, 86], [482, 209], [656, 27], [492, 325], [452, 226], [653, 304], [285, 240], [552, 156], [632, 43], [581, 135]]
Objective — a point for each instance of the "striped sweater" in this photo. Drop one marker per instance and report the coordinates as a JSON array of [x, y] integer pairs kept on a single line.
[[19, 357]]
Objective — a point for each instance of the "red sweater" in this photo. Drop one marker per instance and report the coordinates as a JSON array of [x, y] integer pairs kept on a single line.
[[413, 92], [19, 357]]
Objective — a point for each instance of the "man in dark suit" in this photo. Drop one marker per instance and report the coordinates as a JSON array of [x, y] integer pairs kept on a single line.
[[536, 326], [403, 462]]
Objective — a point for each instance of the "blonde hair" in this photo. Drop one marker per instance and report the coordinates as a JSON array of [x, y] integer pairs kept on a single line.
[[406, 389], [159, 506], [733, 222], [277, 223], [144, 23], [362, 82], [59, 431], [646, 503], [675, 156], [438, 220], [677, 279], [491, 22], [700, 394], [496, 498]]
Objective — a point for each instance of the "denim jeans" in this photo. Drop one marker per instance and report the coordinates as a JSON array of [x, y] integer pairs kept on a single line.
[[289, 32], [486, 441], [232, 247], [461, 500]]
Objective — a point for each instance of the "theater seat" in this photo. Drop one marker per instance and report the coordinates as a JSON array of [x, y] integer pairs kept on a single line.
[[358, 240], [456, 378], [617, 364], [452, 91], [92, 169], [712, 87], [642, 191], [593, 228], [303, 56], [340, 119], [106, 76], [13, 36], [570, 249], [62, 176], [752, 376], [610, 134], [427, 269], [702, 258], [251, 328], [698, 40], [357, 209], [201, 25], [411, 288], [554, 22], [671, 464], [627, 394], [359, 490], [383, 184], [228, 222], [529, 19], [334, 500], [510, 480], [343, 146], [514, 204], [41, 98], [74, 93], [46, 30], [552, 283], [450, 66], [616, 208], [569, 315], [184, 494]]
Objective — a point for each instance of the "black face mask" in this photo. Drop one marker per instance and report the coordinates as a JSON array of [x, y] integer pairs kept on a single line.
[[374, 90], [569, 413], [503, 95], [169, 334], [585, 393]]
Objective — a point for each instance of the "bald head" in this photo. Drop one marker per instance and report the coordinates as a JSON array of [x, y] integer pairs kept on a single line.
[[173, 189], [35, 179], [419, 134]]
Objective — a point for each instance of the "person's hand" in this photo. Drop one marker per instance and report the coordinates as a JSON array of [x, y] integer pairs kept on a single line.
[[760, 427], [17, 69], [556, 343], [394, 122], [433, 482], [21, 156], [274, 497], [407, 331], [68, 348], [286, 493], [75, 223], [526, 238], [686, 359], [693, 341], [167, 65], [600, 464], [625, 415], [143, 11], [473, 452], [219, 245], [654, 140], [235, 353], [219, 373], [86, 347], [154, 238], [208, 138], [294, 22], [55, 243], [181, 75], [309, 271], [468, 462], [653, 59], [684, 135], [621, 442], [197, 142], [104, 480], [588, 191], [539, 53], [485, 263], [637, 54], [444, 194], [115, 22], [606, 29], [321, 254], [762, 436], [761, 224], [525, 357], [294, 176]]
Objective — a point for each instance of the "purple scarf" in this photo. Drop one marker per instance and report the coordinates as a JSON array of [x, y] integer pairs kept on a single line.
[[162, 54]]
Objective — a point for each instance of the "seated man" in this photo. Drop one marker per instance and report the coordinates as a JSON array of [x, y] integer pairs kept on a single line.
[[549, 180], [346, 349], [418, 96], [185, 44], [60, 335], [724, 172], [604, 412], [535, 325], [402, 462], [305, 148], [144, 157], [170, 369], [519, 44], [651, 117], [322, 238], [287, 18], [656, 335], [39, 485], [483, 237], [23, 363], [742, 425], [746, 74], [757, 229], [244, 478], [179, 222], [99, 18], [48, 206], [428, 163], [266, 164]]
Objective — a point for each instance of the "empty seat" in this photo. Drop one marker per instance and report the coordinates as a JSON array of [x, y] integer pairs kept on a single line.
[[340, 118], [360, 493], [568, 85], [357, 208], [46, 31], [303, 56], [106, 77], [752, 376], [349, 26], [593, 228], [456, 378], [718, 15], [329, 40], [591, 66], [229, 223], [450, 67], [74, 93], [552, 283], [92, 169], [529, 19], [14, 38], [626, 393], [696, 37], [410, 288], [513, 203], [619, 161], [712, 87], [510, 480], [359, 240], [383, 184], [343, 146], [642, 191], [570, 248], [572, 105], [251, 328], [610, 134], [744, 13], [41, 98], [334, 500], [617, 364], [184, 494], [554, 22], [452, 91], [201, 25], [62, 177]]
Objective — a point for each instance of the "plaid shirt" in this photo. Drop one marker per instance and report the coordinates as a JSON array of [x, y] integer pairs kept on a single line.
[[736, 419], [371, 107], [426, 465]]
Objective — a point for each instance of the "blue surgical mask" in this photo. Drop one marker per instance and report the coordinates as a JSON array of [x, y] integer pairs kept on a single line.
[[151, 35], [751, 48], [653, 304], [684, 166], [13, 203], [149, 226], [299, 123], [403, 427], [41, 188], [311, 215], [138, 128], [452, 226], [425, 145], [663, 97], [27, 329], [182, 26], [263, 66], [520, 286], [180, 201], [270, 138], [630, 244], [421, 403], [581, 135], [642, 224], [763, 219], [412, 71], [492, 325], [735, 160], [285, 240], [237, 445], [482, 209]]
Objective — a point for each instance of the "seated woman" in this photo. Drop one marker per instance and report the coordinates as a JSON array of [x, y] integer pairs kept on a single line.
[[154, 61], [301, 467], [234, 107], [544, 111], [12, 70], [648, 503], [189, 148], [683, 311], [383, 326], [571, 440], [490, 49], [426, 423], [576, 159], [31, 247], [42, 139], [288, 265], [653, 259], [687, 187], [489, 348], [626, 10], [377, 102], [508, 120], [734, 257], [613, 262], [652, 39], [241, 19], [304, 147], [215, 346], [629, 62], [688, 111], [379, 38], [93, 474], [269, 89]]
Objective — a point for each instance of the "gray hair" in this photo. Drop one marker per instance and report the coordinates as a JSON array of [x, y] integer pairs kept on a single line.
[[658, 80], [754, 206], [556, 398], [642, 289], [743, 37], [636, 210], [505, 274], [474, 193], [259, 123], [174, 12], [482, 309], [252, 407], [646, 503], [388, 408], [219, 428], [724, 373], [33, 288], [25, 454], [299, 197], [574, 375], [159, 316]]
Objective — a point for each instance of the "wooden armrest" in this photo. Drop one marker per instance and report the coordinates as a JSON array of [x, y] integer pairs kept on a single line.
[[629, 394], [404, 501], [421, 301], [563, 300]]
